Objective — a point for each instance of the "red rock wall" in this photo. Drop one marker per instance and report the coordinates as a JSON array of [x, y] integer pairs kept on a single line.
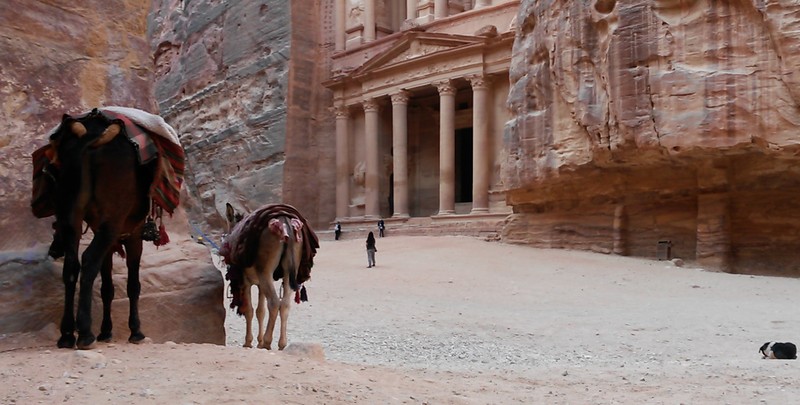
[[639, 121], [68, 57], [61, 57]]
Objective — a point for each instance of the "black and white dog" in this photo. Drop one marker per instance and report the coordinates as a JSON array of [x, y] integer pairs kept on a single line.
[[777, 350]]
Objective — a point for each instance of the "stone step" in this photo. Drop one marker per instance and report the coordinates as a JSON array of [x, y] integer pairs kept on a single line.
[[486, 227]]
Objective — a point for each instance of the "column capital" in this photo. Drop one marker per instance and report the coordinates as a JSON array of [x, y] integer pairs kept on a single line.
[[341, 111], [445, 87], [370, 105], [479, 81], [401, 97]]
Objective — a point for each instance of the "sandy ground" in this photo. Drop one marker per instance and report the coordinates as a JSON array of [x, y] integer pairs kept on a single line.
[[453, 320]]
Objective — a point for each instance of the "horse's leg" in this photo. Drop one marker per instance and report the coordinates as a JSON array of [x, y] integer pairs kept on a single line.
[[272, 306], [91, 260], [133, 257], [69, 274], [247, 308], [285, 302], [107, 293], [289, 262], [260, 312]]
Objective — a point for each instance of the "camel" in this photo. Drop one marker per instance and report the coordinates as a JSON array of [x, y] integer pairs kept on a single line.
[[97, 179], [274, 243]]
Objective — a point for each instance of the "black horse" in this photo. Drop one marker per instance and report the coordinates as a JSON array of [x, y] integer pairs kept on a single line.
[[98, 180]]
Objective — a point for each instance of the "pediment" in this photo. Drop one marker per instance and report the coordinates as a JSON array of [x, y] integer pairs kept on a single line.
[[416, 45]]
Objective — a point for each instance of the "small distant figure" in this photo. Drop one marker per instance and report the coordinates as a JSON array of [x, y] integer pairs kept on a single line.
[[778, 350], [371, 250], [381, 227], [337, 229]]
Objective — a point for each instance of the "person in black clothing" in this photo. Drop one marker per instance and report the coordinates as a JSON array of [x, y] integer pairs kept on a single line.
[[371, 250], [381, 227], [337, 229]]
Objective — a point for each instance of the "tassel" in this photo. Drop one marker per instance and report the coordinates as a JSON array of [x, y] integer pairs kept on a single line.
[[297, 297], [163, 238], [303, 294]]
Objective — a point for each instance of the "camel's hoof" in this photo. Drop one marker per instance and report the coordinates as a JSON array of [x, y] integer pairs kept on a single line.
[[137, 337], [104, 337], [66, 342], [247, 345], [86, 342]]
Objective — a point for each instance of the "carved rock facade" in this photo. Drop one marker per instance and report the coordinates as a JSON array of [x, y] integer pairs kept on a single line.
[[639, 122]]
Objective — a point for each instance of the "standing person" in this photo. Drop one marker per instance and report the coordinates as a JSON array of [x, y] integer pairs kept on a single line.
[[371, 250], [337, 229], [381, 227]]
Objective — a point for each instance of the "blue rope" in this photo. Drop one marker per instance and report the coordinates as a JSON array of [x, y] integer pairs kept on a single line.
[[214, 245]]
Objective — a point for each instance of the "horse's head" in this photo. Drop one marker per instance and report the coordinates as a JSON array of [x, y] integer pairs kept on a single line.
[[233, 217]]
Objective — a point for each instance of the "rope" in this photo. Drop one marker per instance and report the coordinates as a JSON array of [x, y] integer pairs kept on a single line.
[[214, 245]]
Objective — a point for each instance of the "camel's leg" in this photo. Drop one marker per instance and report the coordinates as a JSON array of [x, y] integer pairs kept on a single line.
[[248, 314], [260, 311], [69, 275], [107, 293], [133, 258], [91, 260]]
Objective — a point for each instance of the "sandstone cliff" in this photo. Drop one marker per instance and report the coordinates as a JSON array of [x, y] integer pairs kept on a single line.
[[240, 80], [68, 57], [645, 121], [61, 57]]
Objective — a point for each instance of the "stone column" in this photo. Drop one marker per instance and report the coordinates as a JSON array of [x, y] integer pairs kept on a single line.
[[369, 20], [481, 148], [342, 162], [411, 9], [714, 231], [400, 152], [440, 9], [482, 3], [371, 205], [447, 146], [620, 232], [340, 18], [713, 216]]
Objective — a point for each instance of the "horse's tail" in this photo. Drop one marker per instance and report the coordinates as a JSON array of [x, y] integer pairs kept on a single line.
[[287, 252]]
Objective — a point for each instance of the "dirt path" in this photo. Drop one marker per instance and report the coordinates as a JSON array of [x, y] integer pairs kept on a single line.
[[459, 320]]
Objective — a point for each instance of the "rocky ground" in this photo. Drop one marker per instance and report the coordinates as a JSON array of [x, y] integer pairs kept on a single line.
[[458, 320]]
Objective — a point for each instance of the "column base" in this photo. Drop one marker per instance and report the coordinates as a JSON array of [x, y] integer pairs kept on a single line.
[[446, 212], [400, 216], [479, 211]]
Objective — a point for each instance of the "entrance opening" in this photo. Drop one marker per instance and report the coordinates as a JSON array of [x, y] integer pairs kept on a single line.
[[463, 169]]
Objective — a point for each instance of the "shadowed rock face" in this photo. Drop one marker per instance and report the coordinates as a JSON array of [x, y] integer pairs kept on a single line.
[[239, 80], [61, 57], [641, 121]]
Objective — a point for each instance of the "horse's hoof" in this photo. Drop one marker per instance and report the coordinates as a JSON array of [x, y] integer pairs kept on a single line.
[[86, 342], [104, 337], [136, 337], [66, 342]]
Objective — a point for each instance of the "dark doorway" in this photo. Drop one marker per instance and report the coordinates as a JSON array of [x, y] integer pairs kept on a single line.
[[463, 169]]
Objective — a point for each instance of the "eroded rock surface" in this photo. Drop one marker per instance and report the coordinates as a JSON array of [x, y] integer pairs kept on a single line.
[[240, 81], [646, 121]]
